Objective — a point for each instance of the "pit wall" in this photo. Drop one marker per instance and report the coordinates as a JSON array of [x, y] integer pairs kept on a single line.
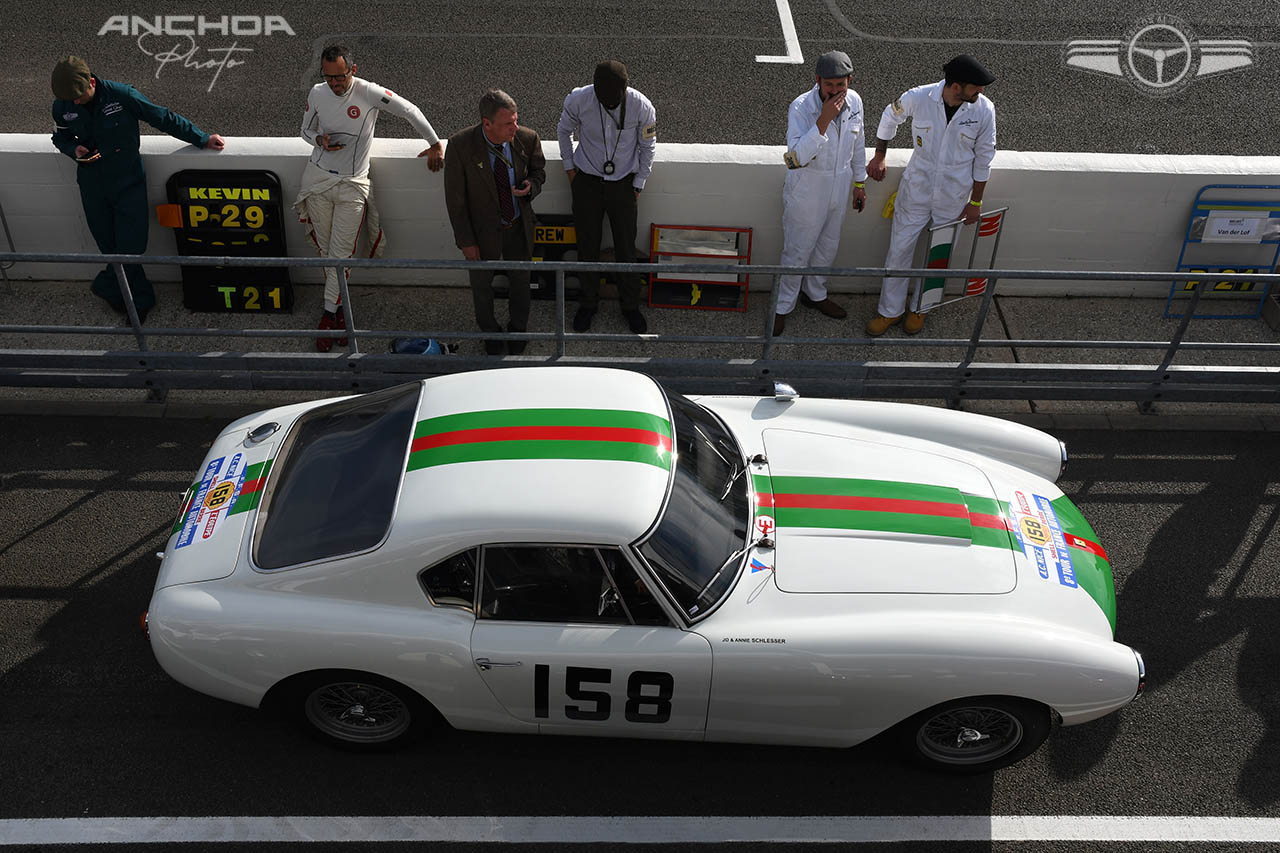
[[1067, 211]]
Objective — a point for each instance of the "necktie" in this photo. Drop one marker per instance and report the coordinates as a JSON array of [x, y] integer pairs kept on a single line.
[[506, 205]]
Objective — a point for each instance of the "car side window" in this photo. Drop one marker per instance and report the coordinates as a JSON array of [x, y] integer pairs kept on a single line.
[[637, 601], [452, 582], [548, 583]]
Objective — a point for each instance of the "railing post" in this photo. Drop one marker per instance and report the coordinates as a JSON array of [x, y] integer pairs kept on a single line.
[[984, 308], [767, 349], [560, 341], [987, 299], [8, 285], [1174, 343], [126, 293], [353, 345]]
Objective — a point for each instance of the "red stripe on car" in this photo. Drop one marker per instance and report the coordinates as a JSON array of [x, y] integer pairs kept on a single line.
[[542, 433], [866, 504]]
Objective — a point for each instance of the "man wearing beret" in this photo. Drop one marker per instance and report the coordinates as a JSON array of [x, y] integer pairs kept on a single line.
[[95, 122], [617, 133], [826, 156], [953, 128]]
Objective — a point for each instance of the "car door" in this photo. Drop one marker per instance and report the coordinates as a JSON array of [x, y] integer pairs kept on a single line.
[[571, 639]]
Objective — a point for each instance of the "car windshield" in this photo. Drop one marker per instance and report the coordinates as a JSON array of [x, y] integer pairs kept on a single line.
[[696, 548], [334, 488]]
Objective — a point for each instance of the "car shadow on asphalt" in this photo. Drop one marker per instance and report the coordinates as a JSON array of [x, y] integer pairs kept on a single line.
[[1199, 602]]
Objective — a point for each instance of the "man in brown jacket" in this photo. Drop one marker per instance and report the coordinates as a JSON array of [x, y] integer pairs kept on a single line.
[[492, 171]]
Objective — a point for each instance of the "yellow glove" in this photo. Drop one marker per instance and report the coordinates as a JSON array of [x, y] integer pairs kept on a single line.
[[888, 205]]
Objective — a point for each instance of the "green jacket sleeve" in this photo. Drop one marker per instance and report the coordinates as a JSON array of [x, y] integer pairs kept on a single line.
[[165, 119], [63, 139]]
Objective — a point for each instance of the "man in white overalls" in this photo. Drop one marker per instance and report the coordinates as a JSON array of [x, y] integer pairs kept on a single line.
[[953, 128], [826, 153]]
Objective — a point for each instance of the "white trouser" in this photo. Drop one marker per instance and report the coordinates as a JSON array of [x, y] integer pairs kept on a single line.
[[813, 211], [910, 218], [337, 215]]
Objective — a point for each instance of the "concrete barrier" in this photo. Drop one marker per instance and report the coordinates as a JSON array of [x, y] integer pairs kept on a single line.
[[1068, 211]]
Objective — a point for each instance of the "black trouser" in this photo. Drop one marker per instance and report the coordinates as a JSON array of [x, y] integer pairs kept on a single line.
[[514, 248], [119, 224], [594, 197]]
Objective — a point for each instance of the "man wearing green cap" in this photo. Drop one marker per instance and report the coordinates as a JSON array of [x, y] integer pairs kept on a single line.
[[95, 122]]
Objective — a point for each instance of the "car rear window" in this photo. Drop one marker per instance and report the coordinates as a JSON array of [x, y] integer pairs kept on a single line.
[[333, 489]]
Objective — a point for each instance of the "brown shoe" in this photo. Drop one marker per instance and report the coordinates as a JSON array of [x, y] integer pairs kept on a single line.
[[914, 323], [878, 325], [779, 323], [827, 306]]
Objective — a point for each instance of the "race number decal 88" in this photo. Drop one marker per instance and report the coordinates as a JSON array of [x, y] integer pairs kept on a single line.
[[648, 694]]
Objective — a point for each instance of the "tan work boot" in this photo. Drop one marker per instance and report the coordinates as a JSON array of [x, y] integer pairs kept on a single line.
[[878, 325], [914, 323]]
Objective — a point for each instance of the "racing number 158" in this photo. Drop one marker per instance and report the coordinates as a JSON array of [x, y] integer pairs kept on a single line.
[[641, 707]]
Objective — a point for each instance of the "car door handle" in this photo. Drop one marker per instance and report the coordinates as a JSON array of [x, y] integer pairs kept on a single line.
[[485, 664]]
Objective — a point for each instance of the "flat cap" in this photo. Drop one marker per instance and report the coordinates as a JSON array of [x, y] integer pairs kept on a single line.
[[965, 69], [70, 78], [833, 63]]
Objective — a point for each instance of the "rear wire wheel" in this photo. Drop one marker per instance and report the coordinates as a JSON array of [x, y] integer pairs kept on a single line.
[[359, 712]]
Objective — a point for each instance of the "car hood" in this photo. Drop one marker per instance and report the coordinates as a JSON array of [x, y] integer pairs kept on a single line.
[[858, 516]]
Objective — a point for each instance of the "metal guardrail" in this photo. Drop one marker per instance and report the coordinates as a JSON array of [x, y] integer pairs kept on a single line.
[[5, 266], [359, 371]]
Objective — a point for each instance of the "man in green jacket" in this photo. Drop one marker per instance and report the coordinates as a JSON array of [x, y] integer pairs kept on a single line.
[[96, 123]]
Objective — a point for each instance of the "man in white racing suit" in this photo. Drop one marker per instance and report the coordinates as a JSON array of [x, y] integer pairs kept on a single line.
[[826, 153], [953, 128], [334, 202]]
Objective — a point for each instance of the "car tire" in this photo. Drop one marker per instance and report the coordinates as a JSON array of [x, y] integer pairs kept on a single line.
[[358, 711], [977, 734]]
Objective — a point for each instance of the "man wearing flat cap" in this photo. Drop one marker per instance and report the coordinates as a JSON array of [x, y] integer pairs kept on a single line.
[[826, 172], [953, 129], [617, 133], [95, 122]]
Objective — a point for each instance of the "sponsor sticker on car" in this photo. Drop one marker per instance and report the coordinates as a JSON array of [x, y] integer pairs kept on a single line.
[[197, 509], [1035, 524], [222, 496], [212, 499]]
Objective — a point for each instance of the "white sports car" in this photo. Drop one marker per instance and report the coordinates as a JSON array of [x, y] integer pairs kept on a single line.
[[565, 550]]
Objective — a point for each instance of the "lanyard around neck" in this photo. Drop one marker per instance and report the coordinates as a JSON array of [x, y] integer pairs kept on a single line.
[[621, 123]]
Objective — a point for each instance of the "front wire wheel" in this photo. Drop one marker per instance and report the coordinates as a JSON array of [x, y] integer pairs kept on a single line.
[[977, 735]]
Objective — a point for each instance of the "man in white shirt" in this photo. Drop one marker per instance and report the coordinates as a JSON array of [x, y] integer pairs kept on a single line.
[[617, 134], [953, 126], [334, 201], [826, 153]]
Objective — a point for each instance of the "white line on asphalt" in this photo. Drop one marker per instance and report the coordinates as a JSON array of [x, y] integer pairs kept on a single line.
[[959, 38], [788, 33], [558, 829]]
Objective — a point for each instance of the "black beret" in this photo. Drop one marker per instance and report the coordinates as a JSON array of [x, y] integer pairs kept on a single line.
[[965, 69]]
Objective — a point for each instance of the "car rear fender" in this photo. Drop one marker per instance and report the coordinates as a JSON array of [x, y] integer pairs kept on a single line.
[[239, 643]]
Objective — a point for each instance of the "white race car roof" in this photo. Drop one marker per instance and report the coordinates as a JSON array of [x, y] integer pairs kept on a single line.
[[554, 454]]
